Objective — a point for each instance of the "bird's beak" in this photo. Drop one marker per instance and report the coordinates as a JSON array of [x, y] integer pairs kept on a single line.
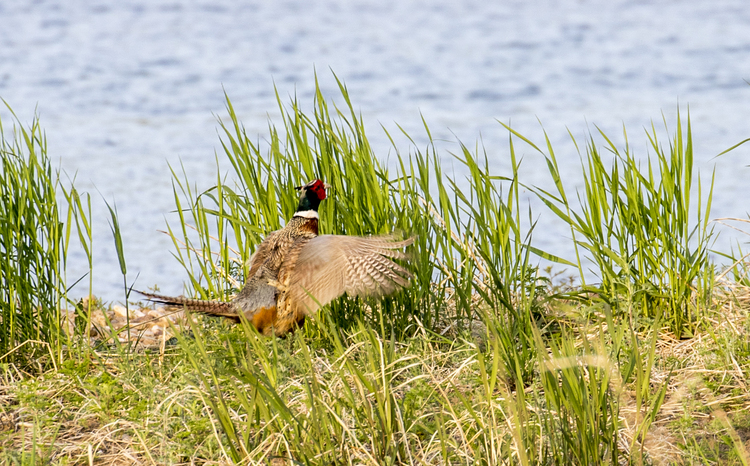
[[326, 186]]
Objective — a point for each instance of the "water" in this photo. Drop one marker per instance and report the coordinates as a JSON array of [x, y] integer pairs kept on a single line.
[[126, 88]]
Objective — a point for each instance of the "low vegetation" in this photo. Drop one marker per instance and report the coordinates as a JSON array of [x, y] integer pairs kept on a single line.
[[488, 358]]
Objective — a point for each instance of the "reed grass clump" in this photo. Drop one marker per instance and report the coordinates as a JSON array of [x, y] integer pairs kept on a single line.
[[32, 248], [538, 396], [481, 361], [40, 214], [635, 222], [466, 243]]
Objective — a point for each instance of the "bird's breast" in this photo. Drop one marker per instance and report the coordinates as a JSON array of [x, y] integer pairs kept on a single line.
[[264, 318], [309, 226]]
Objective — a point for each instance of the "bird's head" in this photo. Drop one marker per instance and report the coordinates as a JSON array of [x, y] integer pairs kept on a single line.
[[310, 195]]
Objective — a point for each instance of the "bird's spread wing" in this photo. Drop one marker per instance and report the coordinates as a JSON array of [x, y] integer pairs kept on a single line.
[[330, 265]]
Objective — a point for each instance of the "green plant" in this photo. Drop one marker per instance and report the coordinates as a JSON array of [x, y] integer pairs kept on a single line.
[[635, 224], [32, 249], [544, 390], [468, 243]]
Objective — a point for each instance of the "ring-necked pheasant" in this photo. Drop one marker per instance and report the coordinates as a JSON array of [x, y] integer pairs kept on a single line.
[[294, 271]]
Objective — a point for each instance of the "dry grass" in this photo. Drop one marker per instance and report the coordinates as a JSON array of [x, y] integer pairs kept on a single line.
[[694, 362]]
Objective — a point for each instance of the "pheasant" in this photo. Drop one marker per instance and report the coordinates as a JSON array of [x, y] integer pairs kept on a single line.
[[294, 272]]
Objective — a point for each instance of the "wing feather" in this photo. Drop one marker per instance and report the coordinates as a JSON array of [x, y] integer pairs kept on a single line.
[[331, 265]]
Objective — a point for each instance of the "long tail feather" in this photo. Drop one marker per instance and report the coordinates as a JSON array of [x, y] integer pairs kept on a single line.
[[214, 308]]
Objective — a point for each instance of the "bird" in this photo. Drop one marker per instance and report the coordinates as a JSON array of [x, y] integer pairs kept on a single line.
[[294, 271]]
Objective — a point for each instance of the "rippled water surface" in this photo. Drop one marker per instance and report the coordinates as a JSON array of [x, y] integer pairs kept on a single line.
[[125, 88]]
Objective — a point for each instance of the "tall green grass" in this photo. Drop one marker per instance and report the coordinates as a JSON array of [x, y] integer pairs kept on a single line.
[[636, 223], [338, 391], [32, 248], [466, 243], [39, 215], [467, 365]]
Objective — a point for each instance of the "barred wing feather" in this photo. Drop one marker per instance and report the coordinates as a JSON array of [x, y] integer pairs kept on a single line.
[[331, 265]]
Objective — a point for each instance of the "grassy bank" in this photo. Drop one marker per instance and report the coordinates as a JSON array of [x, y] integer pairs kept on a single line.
[[430, 400], [485, 359]]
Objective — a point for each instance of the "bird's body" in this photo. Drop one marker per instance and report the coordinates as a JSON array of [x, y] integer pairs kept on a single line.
[[294, 272]]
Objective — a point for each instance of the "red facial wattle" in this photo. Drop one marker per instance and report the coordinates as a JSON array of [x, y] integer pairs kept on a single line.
[[318, 187]]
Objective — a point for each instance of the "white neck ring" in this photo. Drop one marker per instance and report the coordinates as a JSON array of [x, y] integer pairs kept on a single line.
[[306, 214]]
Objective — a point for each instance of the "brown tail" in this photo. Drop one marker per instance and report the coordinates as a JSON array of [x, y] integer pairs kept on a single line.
[[214, 308]]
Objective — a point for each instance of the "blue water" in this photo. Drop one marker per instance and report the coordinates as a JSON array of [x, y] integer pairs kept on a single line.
[[126, 88]]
